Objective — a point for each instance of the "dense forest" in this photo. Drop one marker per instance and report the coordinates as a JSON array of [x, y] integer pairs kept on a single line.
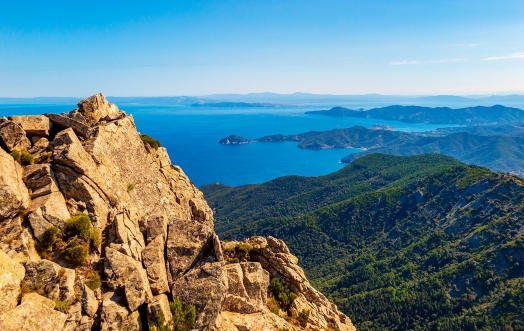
[[399, 243]]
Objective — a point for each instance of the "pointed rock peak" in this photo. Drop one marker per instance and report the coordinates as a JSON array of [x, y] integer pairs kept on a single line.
[[96, 107]]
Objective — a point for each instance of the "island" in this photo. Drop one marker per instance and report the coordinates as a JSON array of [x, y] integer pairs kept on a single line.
[[233, 140], [478, 115]]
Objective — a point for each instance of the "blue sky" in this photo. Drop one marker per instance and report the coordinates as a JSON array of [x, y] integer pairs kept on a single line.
[[126, 48]]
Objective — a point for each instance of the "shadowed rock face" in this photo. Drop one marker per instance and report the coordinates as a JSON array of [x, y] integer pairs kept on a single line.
[[157, 237]]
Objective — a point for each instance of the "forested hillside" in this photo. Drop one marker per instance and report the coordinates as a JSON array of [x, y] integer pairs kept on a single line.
[[399, 243]]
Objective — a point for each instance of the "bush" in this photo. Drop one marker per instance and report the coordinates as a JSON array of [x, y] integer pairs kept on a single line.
[[23, 157], [94, 281], [282, 293], [150, 141], [75, 253], [50, 237], [80, 225], [61, 306], [130, 187], [183, 319], [303, 318], [244, 248]]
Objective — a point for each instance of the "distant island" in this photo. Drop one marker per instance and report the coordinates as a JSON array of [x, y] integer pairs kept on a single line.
[[239, 105], [233, 140], [478, 115]]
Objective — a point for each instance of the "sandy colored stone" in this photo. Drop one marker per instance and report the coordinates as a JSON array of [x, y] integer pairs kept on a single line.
[[115, 317], [155, 263], [11, 274], [13, 136], [14, 195], [159, 306], [35, 313], [38, 125], [17, 241]]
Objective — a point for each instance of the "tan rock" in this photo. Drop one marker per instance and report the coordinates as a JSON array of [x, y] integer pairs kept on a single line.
[[38, 125], [123, 271], [187, 242], [156, 226], [35, 313], [51, 280], [13, 192], [96, 107], [13, 136], [154, 261], [11, 274], [262, 321], [115, 317], [17, 241], [89, 302], [206, 288], [158, 307]]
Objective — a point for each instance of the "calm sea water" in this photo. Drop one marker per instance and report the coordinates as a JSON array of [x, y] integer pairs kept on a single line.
[[191, 137]]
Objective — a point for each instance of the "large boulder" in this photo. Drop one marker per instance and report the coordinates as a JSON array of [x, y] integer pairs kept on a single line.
[[187, 242], [154, 261], [14, 195], [123, 271], [17, 241], [115, 316], [247, 288], [96, 107], [89, 301], [206, 288], [38, 125], [51, 280], [11, 275], [35, 313], [13, 136]]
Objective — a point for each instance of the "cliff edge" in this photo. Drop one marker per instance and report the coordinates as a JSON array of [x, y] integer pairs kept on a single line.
[[99, 231]]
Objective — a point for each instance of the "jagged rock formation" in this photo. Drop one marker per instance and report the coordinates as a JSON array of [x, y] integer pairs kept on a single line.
[[150, 239]]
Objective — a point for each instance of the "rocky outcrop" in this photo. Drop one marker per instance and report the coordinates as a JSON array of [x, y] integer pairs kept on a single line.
[[144, 237]]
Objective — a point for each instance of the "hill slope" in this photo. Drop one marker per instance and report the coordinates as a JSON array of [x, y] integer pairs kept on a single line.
[[438, 250]]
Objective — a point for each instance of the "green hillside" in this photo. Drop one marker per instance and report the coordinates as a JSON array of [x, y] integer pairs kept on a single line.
[[399, 243]]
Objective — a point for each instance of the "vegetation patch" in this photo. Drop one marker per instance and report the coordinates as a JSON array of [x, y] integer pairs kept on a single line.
[[150, 141], [183, 318], [282, 293], [74, 252], [94, 281], [23, 157], [61, 306]]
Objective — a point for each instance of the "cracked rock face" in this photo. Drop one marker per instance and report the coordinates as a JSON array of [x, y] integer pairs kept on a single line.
[[156, 229]]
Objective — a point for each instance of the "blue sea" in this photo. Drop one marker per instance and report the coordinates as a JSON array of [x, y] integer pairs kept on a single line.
[[191, 137]]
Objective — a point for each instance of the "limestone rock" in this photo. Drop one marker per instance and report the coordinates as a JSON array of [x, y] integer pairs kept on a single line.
[[86, 324], [40, 179], [96, 107], [159, 306], [206, 288], [35, 313], [51, 280], [38, 125], [116, 317], [187, 241], [64, 122], [123, 271], [89, 302], [13, 136], [11, 274], [16, 241], [154, 261], [263, 321], [13, 192], [128, 233], [247, 292]]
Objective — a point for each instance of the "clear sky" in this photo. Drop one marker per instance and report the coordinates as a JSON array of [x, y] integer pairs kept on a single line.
[[153, 48]]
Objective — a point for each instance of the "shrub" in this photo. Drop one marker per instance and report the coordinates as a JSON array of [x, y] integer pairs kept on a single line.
[[80, 225], [61, 306], [183, 319], [244, 248], [282, 292], [23, 157], [75, 253], [50, 237], [303, 318], [130, 187], [150, 141], [94, 281]]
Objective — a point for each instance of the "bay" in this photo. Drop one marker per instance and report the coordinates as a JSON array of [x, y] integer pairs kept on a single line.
[[191, 137]]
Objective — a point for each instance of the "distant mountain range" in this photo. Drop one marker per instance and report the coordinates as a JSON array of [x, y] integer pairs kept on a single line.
[[441, 115], [365, 101]]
